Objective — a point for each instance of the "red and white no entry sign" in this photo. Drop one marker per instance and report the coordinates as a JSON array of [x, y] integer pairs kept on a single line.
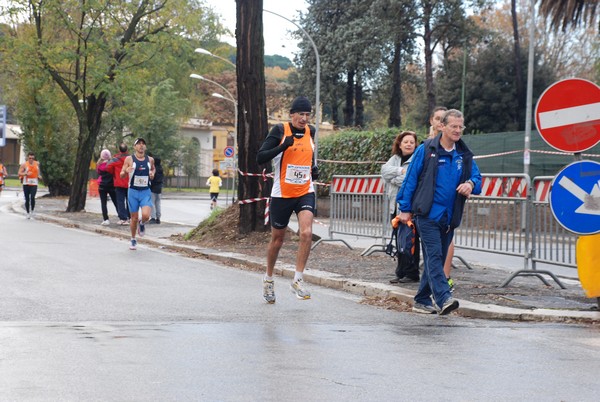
[[567, 115]]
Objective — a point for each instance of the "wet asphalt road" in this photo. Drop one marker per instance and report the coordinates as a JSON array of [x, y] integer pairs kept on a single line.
[[84, 318]]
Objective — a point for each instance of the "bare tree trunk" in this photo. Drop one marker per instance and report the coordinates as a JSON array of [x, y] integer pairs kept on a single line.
[[359, 120], [335, 115], [430, 88], [89, 128], [349, 107], [335, 104], [252, 112], [518, 72], [395, 119], [81, 172]]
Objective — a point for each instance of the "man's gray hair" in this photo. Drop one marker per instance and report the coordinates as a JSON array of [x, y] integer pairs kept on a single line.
[[452, 112]]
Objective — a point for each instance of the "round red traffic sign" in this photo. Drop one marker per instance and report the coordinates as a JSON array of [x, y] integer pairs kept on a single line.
[[567, 115], [228, 152]]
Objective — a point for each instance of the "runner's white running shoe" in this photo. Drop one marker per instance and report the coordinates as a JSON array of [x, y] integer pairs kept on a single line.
[[141, 228], [297, 288], [269, 291]]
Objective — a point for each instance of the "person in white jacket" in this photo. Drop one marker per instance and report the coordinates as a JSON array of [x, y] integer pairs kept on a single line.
[[393, 173]]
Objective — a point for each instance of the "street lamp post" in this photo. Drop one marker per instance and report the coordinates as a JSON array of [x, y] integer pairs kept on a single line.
[[231, 99], [464, 74], [200, 77], [208, 53]]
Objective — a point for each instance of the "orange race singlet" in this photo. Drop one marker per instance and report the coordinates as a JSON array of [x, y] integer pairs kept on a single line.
[[292, 168], [31, 179]]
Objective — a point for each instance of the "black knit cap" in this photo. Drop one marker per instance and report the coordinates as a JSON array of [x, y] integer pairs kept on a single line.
[[301, 104]]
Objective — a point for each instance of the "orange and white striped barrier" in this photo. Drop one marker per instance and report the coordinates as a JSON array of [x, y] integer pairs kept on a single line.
[[504, 186], [541, 188], [357, 184]]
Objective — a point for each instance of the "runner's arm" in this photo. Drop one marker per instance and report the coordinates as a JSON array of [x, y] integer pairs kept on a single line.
[[272, 146], [22, 170], [152, 168], [126, 166]]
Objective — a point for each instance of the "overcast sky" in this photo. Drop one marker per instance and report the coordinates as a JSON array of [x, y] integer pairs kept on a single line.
[[277, 39]]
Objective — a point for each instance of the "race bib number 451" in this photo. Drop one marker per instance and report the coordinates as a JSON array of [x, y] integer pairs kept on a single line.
[[296, 174]]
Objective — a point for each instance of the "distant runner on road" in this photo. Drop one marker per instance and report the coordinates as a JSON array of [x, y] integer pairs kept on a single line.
[[29, 173], [214, 182], [140, 168], [3, 174]]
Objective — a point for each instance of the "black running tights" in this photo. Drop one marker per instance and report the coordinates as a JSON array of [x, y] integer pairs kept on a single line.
[[29, 192]]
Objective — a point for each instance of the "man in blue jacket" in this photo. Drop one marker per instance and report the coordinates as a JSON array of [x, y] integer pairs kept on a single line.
[[439, 180]]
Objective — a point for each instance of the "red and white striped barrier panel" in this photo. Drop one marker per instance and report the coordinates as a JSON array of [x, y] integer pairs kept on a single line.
[[503, 186], [541, 188], [357, 185]]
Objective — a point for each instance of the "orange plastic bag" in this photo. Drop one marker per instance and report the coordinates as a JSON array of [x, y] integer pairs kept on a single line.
[[93, 188]]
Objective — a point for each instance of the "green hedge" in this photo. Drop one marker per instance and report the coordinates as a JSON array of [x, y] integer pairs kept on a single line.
[[339, 153]]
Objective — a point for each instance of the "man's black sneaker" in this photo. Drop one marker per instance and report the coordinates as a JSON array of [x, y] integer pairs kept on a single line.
[[423, 309], [449, 306]]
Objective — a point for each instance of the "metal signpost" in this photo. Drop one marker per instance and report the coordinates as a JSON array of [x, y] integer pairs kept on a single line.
[[229, 164], [567, 116]]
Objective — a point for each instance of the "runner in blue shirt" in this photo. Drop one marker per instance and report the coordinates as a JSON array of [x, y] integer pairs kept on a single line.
[[140, 168]]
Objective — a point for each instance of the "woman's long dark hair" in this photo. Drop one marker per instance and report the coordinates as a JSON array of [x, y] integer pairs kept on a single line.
[[396, 145]]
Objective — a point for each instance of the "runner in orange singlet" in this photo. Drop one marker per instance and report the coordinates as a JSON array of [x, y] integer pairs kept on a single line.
[[29, 173], [3, 174], [291, 148]]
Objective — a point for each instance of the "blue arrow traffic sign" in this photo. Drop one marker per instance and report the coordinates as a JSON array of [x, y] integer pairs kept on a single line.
[[575, 197]]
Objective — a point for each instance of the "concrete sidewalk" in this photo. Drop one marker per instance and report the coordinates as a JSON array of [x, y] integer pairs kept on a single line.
[[543, 303]]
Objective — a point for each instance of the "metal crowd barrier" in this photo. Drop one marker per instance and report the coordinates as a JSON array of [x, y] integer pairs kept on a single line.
[[499, 221], [511, 216], [551, 243], [495, 220], [358, 207]]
